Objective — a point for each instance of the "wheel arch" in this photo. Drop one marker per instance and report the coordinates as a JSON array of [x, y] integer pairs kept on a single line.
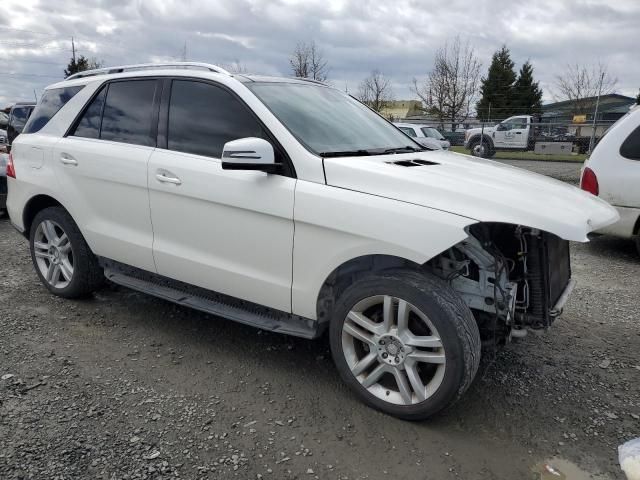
[[36, 204], [343, 275], [476, 138]]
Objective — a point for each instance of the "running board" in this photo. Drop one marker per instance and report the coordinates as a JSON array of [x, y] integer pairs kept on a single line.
[[211, 302]]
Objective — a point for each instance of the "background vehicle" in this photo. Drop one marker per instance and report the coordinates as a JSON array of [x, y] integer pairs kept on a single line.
[[518, 133], [612, 172], [192, 184], [3, 181], [4, 121], [425, 135], [18, 117]]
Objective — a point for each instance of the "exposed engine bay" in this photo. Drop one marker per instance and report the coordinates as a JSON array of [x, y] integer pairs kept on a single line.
[[511, 277]]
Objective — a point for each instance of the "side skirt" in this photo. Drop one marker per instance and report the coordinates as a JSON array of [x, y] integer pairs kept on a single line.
[[211, 302]]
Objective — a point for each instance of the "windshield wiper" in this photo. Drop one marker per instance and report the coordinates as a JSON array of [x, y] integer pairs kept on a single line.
[[405, 149], [346, 153]]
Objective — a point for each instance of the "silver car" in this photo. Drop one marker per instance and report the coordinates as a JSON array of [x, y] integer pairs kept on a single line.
[[425, 135]]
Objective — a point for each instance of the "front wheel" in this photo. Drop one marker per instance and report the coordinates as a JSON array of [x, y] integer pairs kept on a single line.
[[60, 255], [405, 343]]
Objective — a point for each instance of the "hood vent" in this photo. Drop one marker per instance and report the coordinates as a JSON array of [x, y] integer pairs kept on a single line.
[[413, 163]]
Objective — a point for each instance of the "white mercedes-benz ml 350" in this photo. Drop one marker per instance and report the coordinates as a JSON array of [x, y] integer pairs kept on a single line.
[[288, 205]]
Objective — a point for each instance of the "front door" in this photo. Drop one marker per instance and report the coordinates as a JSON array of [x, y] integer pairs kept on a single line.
[[224, 230]]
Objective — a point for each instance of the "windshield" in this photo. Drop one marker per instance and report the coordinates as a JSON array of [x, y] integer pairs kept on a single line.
[[432, 132], [330, 123]]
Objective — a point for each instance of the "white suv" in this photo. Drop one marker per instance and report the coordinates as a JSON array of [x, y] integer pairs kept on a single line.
[[288, 205], [613, 173]]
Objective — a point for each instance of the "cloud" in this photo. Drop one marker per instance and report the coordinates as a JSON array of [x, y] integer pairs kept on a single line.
[[398, 38]]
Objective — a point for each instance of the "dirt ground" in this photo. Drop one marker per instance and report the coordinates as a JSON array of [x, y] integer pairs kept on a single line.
[[123, 386]]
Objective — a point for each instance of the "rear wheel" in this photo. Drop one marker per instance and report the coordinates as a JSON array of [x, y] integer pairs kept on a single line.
[[637, 239], [60, 255], [405, 343]]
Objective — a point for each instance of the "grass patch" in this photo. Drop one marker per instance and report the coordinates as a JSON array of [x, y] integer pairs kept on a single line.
[[529, 156]]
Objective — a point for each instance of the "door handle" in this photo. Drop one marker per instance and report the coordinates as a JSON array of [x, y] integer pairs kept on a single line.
[[518, 133], [163, 177], [67, 159]]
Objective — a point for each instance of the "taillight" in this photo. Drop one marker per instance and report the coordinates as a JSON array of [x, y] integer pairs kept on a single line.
[[589, 181], [11, 171]]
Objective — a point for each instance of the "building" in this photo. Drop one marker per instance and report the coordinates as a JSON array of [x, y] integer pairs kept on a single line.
[[399, 109], [611, 108]]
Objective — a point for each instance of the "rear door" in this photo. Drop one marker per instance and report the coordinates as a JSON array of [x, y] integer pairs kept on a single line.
[[225, 230], [102, 169]]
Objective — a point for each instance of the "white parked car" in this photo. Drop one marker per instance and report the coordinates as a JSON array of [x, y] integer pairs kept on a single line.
[[427, 136], [288, 205], [612, 172]]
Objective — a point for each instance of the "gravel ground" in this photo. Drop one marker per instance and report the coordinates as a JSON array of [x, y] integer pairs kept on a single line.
[[565, 171], [124, 386]]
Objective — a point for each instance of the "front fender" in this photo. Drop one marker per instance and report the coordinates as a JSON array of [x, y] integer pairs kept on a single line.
[[334, 225]]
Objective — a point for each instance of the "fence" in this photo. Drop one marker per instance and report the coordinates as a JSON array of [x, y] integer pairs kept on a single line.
[[578, 134]]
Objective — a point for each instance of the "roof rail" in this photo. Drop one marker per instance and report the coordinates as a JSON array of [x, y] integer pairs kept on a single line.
[[147, 66]]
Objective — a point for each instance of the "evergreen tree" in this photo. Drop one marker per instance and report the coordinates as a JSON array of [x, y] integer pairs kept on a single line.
[[638, 98], [497, 88], [527, 94], [80, 64]]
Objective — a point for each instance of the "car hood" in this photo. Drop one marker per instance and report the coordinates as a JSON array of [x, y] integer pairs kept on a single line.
[[481, 190]]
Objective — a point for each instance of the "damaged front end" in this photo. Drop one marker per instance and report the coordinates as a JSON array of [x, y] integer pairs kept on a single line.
[[511, 277]]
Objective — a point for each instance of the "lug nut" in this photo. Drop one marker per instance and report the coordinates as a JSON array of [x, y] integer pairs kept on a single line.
[[382, 342], [384, 355]]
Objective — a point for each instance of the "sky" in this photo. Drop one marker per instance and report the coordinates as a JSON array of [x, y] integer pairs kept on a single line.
[[398, 38]]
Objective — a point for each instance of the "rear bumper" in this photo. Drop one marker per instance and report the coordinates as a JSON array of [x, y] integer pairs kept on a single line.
[[626, 225]]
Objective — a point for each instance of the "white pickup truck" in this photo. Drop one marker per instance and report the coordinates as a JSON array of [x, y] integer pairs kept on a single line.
[[518, 133], [514, 133]]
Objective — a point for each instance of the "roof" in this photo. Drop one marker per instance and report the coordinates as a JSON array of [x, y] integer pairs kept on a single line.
[[616, 97]]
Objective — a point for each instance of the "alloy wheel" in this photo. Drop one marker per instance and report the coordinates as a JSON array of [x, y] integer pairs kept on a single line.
[[393, 350], [53, 254]]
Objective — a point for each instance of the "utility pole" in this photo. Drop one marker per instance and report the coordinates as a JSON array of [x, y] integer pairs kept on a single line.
[[595, 115], [73, 51]]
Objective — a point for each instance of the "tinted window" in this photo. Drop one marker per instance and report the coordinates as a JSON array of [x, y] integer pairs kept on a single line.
[[203, 117], [89, 124], [48, 106], [631, 146], [128, 112]]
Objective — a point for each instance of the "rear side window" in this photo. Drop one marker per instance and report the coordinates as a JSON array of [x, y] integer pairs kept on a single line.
[[48, 106], [203, 117], [630, 148], [89, 124], [128, 112]]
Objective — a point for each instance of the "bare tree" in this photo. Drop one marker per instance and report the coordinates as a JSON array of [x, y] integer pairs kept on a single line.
[[235, 67], [452, 85], [375, 91], [580, 83], [308, 61]]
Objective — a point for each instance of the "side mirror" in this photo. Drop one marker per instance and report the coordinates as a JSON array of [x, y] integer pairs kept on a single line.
[[501, 127], [249, 153]]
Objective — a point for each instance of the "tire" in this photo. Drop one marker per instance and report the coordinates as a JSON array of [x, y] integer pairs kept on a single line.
[[447, 318], [477, 151], [637, 240], [59, 251]]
